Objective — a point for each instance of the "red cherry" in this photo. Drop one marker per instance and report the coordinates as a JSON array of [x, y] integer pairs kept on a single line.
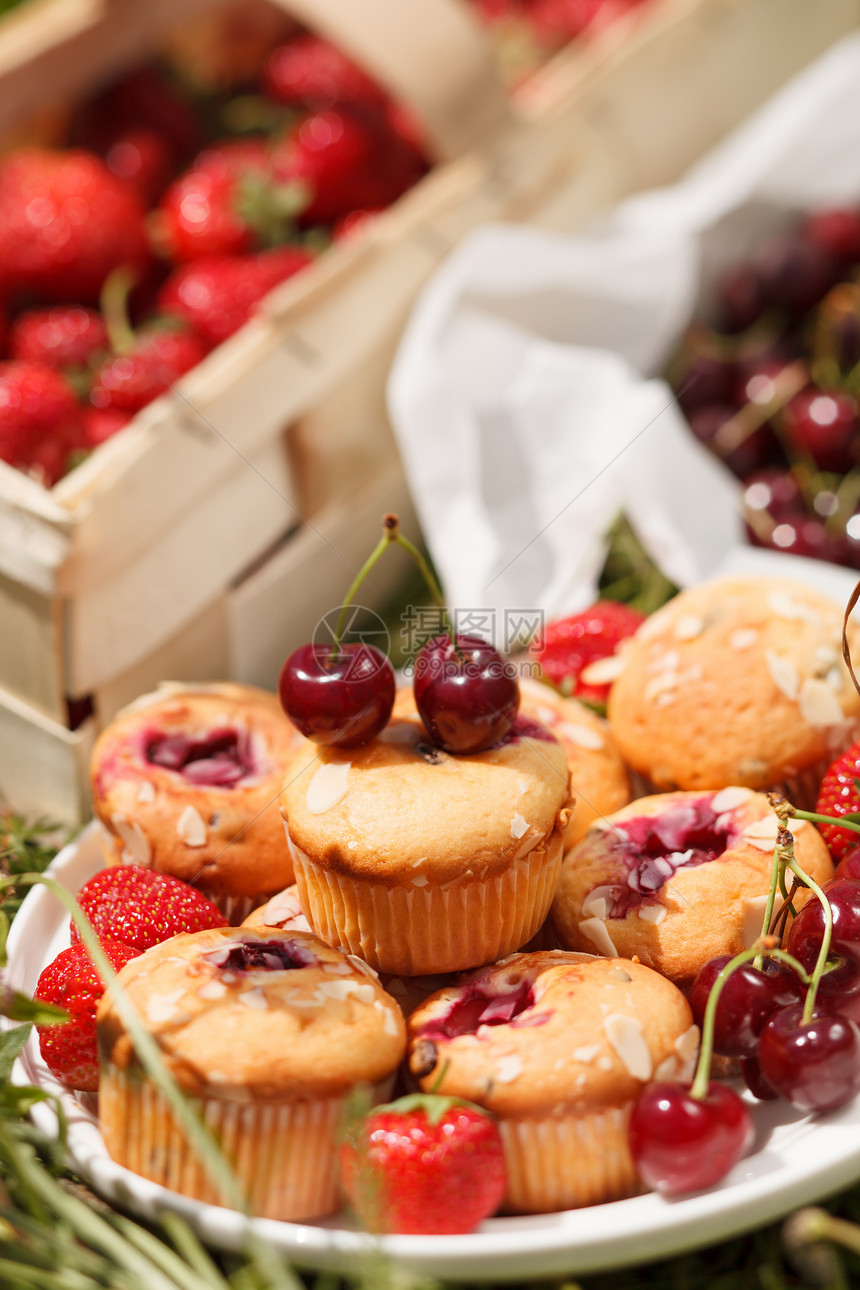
[[343, 701], [754, 451], [739, 299], [837, 231], [466, 693], [823, 423], [794, 272], [815, 1065], [680, 1143], [755, 1081], [807, 930], [705, 380], [849, 865], [747, 999]]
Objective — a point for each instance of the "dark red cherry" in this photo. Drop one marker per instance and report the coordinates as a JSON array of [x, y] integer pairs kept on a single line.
[[794, 272], [680, 1143], [849, 865], [815, 1065], [748, 997], [823, 423], [837, 231], [807, 930], [343, 701], [467, 694], [739, 300], [774, 492], [706, 379], [803, 536], [755, 1081], [751, 452]]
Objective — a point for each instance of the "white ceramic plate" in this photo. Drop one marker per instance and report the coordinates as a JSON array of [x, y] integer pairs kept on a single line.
[[796, 1160]]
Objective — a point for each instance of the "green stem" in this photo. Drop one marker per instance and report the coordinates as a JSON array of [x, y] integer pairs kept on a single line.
[[771, 901], [824, 950], [430, 579], [378, 551], [814, 818], [114, 307]]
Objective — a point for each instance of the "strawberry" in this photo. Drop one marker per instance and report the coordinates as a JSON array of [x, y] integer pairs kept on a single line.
[[216, 296], [141, 907], [41, 423], [71, 981], [145, 99], [143, 159], [126, 382], [65, 336], [228, 202], [65, 223], [839, 795], [101, 424], [569, 645], [309, 72], [424, 1164], [346, 160]]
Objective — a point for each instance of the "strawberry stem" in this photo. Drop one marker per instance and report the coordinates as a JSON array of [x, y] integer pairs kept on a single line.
[[114, 307]]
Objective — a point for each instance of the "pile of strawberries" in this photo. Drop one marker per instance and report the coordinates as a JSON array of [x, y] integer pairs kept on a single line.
[[155, 213]]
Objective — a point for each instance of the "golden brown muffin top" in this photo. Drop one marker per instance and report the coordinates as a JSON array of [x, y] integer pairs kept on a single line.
[[545, 1033], [737, 681], [400, 809], [257, 1014]]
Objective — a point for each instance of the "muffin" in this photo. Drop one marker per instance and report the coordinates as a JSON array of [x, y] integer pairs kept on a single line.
[[267, 1033], [598, 776], [677, 878], [557, 1046], [422, 862], [186, 781], [737, 681]]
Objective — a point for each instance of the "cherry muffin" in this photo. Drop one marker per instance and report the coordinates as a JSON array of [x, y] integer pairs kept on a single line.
[[737, 681], [421, 861], [677, 878], [267, 1033], [186, 781], [558, 1047]]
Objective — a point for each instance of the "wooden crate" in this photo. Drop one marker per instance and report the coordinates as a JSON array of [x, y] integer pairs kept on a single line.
[[126, 572]]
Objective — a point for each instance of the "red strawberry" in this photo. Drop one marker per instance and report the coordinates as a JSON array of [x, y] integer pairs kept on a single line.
[[346, 160], [424, 1164], [143, 159], [227, 203], [310, 72], [839, 795], [218, 295], [66, 336], [569, 645], [65, 223], [72, 982], [142, 907], [41, 423], [127, 382], [101, 424], [145, 99]]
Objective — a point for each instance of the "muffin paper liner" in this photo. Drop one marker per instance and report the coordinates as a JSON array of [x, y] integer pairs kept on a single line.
[[582, 1158], [415, 931], [284, 1154]]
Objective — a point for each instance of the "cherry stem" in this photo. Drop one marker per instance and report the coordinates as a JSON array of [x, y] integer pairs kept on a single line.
[[431, 581], [814, 818], [762, 947], [114, 307]]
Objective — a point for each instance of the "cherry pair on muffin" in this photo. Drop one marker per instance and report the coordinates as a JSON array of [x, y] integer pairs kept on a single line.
[[342, 695]]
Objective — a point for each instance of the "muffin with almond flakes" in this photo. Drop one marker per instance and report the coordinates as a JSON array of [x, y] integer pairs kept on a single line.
[[739, 681]]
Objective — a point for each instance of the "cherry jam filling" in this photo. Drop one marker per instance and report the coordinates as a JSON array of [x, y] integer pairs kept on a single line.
[[478, 1007], [524, 728], [648, 851], [217, 760], [262, 956]]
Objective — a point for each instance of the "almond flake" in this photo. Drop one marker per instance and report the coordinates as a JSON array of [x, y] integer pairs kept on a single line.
[[361, 966], [596, 903], [419, 880], [547, 716], [783, 673], [254, 998], [652, 913], [626, 1037], [594, 930], [669, 661], [519, 826], [762, 833], [213, 989], [508, 1069], [134, 840], [191, 828], [659, 685], [728, 798], [752, 918], [688, 627], [668, 1069], [743, 638], [327, 787], [389, 1023], [342, 990], [603, 670], [400, 732], [162, 1007], [586, 1053], [819, 706], [785, 606], [605, 1063], [146, 791], [582, 736], [686, 1044]]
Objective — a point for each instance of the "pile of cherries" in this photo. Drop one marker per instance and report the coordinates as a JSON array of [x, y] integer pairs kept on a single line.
[[342, 694], [687, 1138], [770, 381]]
